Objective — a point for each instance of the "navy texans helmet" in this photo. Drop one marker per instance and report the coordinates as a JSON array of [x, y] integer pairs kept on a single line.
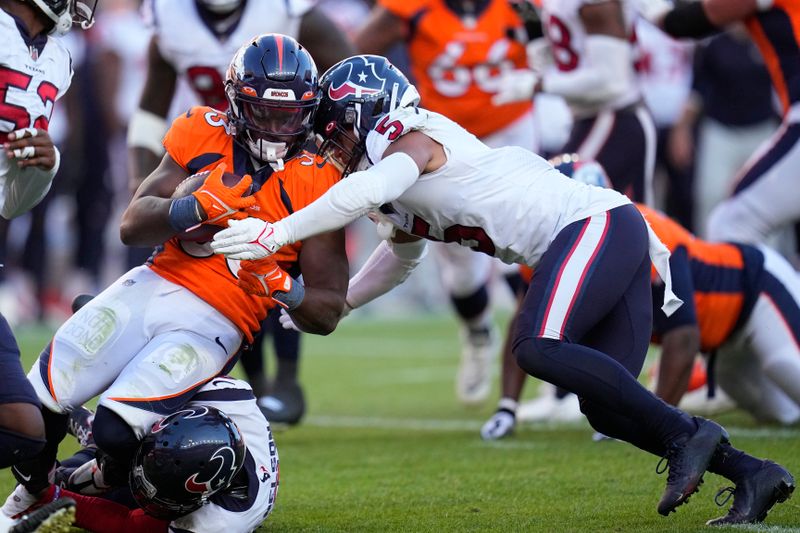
[[356, 93], [65, 13], [272, 88], [186, 458], [588, 172]]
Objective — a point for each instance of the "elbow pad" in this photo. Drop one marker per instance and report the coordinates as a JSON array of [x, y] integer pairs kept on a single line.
[[147, 130], [688, 20]]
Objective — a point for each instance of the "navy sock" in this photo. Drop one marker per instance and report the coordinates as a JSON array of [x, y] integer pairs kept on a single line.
[[733, 464]]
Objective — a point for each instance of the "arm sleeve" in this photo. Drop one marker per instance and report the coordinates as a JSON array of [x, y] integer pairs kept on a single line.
[[604, 75], [683, 287], [389, 265], [98, 514], [350, 198], [25, 188]]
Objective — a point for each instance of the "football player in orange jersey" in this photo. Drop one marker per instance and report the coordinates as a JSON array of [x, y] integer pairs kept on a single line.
[[194, 41], [459, 50], [766, 197], [740, 301], [156, 335]]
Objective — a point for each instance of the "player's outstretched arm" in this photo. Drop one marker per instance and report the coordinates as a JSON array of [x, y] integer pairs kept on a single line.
[[403, 162], [326, 42], [700, 19], [148, 123], [382, 30]]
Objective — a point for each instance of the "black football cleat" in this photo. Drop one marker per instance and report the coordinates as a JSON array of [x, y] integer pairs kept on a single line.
[[54, 517], [688, 459], [286, 404], [755, 496]]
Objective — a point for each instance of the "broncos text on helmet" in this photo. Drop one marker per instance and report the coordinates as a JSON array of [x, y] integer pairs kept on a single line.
[[272, 87]]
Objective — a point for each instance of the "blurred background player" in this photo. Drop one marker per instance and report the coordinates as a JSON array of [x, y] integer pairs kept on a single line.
[[728, 115], [766, 198], [192, 44], [226, 482], [147, 360], [459, 51], [593, 68], [35, 71]]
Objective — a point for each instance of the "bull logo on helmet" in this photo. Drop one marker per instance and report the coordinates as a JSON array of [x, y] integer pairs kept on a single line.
[[361, 80], [226, 458], [164, 423]]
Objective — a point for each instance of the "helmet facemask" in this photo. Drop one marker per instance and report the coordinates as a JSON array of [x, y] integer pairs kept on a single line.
[[66, 13], [271, 129]]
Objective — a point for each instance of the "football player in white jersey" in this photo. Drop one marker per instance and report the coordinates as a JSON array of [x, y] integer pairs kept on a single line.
[[35, 71], [227, 481], [586, 319], [592, 56], [193, 42]]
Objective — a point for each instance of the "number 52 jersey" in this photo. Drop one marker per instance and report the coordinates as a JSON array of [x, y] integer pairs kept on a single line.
[[34, 73]]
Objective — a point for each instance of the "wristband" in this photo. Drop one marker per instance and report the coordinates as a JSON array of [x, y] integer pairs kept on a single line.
[[292, 299], [184, 213]]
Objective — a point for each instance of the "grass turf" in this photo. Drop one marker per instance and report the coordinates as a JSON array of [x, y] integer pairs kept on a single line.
[[385, 446]]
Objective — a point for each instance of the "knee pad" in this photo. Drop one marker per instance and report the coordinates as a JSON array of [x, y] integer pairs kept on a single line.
[[472, 305], [113, 435], [16, 447]]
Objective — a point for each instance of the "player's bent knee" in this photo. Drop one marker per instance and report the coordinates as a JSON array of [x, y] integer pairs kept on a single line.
[[17, 447], [113, 435], [23, 419], [534, 355]]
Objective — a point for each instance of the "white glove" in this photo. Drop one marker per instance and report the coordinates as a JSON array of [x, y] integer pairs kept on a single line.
[[287, 323], [653, 10], [539, 54], [499, 426], [247, 239], [517, 86], [88, 479]]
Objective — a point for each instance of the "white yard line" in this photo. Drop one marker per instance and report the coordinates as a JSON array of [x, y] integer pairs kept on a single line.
[[431, 424]]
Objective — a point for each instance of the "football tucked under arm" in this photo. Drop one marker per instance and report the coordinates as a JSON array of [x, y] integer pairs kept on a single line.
[[186, 190]]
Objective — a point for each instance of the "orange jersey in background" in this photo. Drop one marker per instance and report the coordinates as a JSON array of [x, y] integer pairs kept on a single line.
[[776, 32], [199, 140], [457, 66], [721, 277]]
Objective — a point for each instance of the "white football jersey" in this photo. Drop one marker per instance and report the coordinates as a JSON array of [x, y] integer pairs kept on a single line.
[[33, 75], [506, 202], [187, 42], [566, 34], [244, 512]]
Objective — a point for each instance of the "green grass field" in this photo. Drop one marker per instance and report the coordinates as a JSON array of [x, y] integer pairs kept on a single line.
[[385, 446]]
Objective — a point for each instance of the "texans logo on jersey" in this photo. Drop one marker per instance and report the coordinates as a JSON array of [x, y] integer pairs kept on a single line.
[[361, 80], [226, 458]]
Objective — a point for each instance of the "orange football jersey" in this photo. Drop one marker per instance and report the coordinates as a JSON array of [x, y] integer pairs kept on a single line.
[[200, 140], [776, 32], [457, 65], [718, 278]]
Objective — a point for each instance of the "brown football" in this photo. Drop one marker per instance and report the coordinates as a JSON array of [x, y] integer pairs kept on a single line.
[[205, 232]]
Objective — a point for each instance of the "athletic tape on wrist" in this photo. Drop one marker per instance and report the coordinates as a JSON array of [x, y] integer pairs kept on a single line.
[[184, 213]]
